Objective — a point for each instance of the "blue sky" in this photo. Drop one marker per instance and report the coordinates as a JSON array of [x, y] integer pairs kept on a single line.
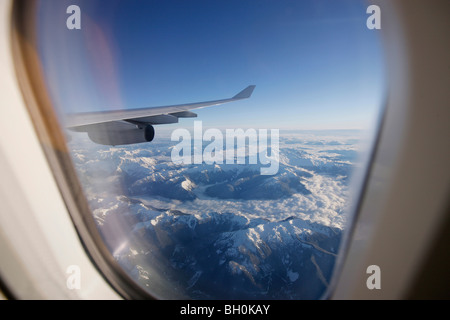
[[314, 63]]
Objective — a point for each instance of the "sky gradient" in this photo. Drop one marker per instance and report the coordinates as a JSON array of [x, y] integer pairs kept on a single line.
[[314, 63]]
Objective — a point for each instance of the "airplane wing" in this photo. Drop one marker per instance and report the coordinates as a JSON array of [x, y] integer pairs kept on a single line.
[[117, 127]]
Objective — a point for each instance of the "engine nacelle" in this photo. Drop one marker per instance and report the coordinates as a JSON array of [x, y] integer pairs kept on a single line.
[[122, 137]]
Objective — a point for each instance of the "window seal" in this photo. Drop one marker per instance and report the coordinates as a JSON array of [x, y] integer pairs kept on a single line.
[[52, 139]]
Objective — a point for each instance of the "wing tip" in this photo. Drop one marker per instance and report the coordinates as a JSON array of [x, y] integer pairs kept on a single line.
[[246, 93]]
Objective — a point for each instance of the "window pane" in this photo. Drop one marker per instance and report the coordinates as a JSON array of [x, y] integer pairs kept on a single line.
[[248, 200]]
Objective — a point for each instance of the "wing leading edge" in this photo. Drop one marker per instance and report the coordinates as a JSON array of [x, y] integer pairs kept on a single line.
[[117, 127]]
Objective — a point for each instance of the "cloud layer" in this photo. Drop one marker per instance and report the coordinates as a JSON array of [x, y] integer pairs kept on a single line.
[[191, 226]]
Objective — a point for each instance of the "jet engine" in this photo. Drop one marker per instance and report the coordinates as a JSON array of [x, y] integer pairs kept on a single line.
[[111, 137]]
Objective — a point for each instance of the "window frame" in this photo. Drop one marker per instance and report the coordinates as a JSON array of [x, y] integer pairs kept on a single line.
[[53, 142]]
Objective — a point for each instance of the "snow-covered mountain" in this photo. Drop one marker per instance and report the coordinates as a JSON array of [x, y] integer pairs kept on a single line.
[[222, 230]]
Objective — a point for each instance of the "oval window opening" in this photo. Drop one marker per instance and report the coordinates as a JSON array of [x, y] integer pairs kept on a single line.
[[217, 141]]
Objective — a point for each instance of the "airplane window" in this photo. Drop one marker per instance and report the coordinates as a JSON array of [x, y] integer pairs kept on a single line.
[[217, 141]]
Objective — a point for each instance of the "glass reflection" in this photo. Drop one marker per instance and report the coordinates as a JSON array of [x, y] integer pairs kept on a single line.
[[218, 230]]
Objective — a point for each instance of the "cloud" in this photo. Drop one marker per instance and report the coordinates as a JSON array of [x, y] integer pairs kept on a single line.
[[151, 210]]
